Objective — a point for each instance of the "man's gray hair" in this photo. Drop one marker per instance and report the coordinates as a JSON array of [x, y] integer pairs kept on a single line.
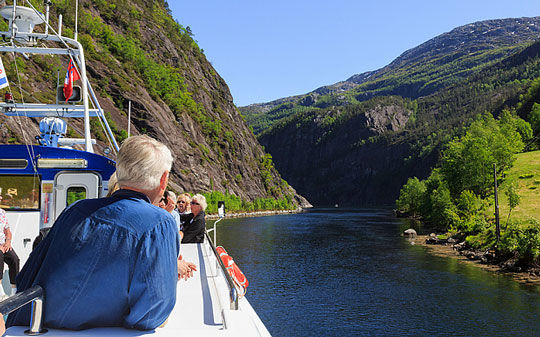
[[141, 162]]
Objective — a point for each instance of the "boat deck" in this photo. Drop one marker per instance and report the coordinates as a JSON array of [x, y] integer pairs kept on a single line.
[[202, 306]]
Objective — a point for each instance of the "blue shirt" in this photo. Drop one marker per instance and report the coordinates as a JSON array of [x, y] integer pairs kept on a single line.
[[105, 262]]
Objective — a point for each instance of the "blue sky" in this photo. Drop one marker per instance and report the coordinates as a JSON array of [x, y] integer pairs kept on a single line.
[[266, 50]]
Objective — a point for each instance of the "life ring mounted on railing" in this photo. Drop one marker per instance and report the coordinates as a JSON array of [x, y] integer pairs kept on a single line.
[[240, 280]]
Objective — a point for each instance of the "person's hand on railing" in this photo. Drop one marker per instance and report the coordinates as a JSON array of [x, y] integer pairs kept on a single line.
[[185, 269]]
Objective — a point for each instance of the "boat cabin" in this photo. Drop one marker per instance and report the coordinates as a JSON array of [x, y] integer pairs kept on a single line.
[[38, 182]]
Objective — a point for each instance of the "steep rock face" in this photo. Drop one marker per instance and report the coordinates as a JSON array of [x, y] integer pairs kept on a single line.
[[387, 118], [341, 167], [212, 146]]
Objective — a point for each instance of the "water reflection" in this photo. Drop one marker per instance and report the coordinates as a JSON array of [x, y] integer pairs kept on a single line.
[[351, 273]]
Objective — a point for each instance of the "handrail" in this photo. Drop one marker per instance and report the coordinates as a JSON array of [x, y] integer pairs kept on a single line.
[[230, 282], [34, 295]]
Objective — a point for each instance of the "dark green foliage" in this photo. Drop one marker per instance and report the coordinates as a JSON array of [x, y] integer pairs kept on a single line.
[[521, 241], [534, 118], [410, 197]]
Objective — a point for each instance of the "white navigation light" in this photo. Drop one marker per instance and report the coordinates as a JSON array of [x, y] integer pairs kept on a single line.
[[25, 18], [62, 163]]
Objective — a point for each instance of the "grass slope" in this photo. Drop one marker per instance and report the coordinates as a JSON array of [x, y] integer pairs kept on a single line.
[[526, 174]]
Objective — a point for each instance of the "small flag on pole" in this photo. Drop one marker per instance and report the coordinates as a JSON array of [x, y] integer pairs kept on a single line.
[[71, 75], [3, 78]]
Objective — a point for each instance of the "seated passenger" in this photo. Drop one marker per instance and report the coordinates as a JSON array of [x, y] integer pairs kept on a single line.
[[7, 254], [196, 224], [111, 261]]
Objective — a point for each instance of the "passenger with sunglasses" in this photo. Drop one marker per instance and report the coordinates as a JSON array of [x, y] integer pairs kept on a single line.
[[195, 222], [183, 207]]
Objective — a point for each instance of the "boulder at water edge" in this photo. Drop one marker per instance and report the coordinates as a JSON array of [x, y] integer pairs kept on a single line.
[[410, 233]]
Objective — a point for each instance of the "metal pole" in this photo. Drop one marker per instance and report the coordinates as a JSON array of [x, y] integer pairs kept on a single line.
[[84, 89], [13, 20], [497, 225], [129, 118], [36, 318], [47, 18], [60, 25], [76, 15]]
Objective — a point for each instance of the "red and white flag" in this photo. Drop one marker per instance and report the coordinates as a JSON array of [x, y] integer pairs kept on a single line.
[[71, 75]]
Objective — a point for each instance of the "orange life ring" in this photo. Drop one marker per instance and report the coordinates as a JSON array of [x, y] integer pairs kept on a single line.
[[239, 278]]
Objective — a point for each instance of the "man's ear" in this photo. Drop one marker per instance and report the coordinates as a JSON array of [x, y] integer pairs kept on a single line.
[[164, 180]]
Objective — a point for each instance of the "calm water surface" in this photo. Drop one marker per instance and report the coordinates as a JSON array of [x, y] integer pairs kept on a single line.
[[330, 273]]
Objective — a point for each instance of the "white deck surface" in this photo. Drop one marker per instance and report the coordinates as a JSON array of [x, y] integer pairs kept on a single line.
[[202, 303]]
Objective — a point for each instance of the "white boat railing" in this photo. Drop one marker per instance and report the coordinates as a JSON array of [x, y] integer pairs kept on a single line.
[[233, 293]]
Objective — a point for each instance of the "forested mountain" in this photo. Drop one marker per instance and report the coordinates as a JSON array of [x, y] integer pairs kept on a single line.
[[420, 71], [357, 142], [137, 52]]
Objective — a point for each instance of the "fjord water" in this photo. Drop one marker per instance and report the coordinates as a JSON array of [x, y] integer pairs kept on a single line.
[[331, 272]]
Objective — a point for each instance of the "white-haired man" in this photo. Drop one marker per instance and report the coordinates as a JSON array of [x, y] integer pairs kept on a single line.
[[111, 261]]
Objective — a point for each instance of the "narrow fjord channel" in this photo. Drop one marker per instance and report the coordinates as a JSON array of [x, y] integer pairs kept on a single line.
[[330, 272]]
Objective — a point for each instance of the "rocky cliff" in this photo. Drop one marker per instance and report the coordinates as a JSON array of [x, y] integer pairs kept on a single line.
[[137, 52]]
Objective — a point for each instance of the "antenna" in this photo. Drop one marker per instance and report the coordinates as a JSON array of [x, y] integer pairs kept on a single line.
[[76, 16], [129, 117]]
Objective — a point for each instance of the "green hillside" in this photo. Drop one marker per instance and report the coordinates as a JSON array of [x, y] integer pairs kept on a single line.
[[137, 53]]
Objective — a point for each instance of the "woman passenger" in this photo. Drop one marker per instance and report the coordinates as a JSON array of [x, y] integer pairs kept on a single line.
[[196, 224]]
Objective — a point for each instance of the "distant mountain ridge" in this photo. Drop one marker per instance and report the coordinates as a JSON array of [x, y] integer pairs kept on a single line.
[[356, 142], [467, 47]]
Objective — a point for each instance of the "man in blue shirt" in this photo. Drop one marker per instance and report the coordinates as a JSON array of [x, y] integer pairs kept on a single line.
[[111, 261]]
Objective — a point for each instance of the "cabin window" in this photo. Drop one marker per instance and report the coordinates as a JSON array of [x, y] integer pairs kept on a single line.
[[75, 193], [13, 163], [19, 192]]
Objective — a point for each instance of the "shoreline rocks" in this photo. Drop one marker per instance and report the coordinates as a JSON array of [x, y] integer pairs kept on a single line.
[[486, 260], [411, 233]]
